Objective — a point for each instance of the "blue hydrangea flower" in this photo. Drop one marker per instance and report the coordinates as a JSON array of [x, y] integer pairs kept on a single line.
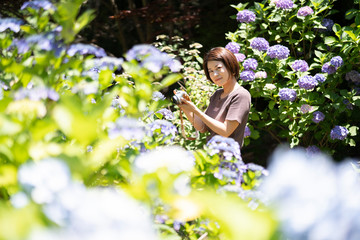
[[245, 16], [339, 132], [328, 23], [36, 94], [285, 4], [260, 44], [336, 61], [21, 45], [328, 68], [305, 108], [287, 94], [84, 49], [247, 132], [129, 128], [46, 5], [247, 75], [300, 65], [307, 82], [10, 23], [320, 77], [318, 117], [261, 74], [44, 41], [240, 57], [167, 114], [348, 104], [312, 150], [152, 58], [305, 11], [226, 146], [250, 64], [166, 128], [353, 76], [157, 96], [278, 51], [111, 63], [233, 47]]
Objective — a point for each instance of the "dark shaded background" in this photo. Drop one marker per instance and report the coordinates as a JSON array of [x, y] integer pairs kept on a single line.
[[120, 24]]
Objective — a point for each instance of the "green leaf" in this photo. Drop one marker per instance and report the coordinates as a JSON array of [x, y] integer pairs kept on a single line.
[[353, 130], [169, 80], [83, 20], [352, 35], [330, 40], [105, 78]]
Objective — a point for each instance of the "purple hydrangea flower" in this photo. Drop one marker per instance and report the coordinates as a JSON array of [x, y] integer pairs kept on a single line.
[[261, 74], [328, 68], [245, 16], [305, 108], [307, 82], [166, 128], [129, 128], [83, 49], [167, 114], [250, 64], [300, 65], [247, 132], [339, 132], [10, 23], [320, 77], [247, 75], [233, 47], [278, 51], [287, 94], [318, 117], [260, 44], [328, 23], [285, 4], [46, 5], [305, 11], [240, 57], [157, 96], [353, 76], [336, 61], [227, 146]]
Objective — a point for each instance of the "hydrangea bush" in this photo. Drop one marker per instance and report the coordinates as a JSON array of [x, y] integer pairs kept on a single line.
[[308, 59], [90, 147]]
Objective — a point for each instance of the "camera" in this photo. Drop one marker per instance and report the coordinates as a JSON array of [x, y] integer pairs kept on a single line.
[[179, 96]]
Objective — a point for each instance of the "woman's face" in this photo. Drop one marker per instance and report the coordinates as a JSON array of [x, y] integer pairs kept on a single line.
[[218, 73]]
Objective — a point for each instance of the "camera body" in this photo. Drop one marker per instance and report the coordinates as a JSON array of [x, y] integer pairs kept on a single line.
[[178, 96]]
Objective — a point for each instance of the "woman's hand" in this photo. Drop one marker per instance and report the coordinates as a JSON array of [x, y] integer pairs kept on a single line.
[[187, 105]]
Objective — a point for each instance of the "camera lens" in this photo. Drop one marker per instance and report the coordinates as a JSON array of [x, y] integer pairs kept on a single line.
[[175, 99]]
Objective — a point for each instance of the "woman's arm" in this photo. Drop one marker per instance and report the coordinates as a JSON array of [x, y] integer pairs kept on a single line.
[[195, 120], [224, 129]]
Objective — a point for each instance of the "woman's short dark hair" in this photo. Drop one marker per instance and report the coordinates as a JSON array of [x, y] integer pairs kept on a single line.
[[225, 56]]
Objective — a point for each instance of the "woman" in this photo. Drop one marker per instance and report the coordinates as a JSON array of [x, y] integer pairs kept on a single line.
[[229, 106]]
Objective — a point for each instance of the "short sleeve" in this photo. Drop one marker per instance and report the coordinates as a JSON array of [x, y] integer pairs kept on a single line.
[[239, 107]]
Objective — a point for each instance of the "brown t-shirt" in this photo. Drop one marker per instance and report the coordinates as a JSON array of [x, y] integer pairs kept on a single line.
[[235, 106]]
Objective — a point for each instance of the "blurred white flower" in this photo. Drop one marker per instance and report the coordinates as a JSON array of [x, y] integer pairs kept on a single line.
[[174, 158], [312, 197]]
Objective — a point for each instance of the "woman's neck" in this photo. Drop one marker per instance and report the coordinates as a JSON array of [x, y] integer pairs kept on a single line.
[[230, 86]]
